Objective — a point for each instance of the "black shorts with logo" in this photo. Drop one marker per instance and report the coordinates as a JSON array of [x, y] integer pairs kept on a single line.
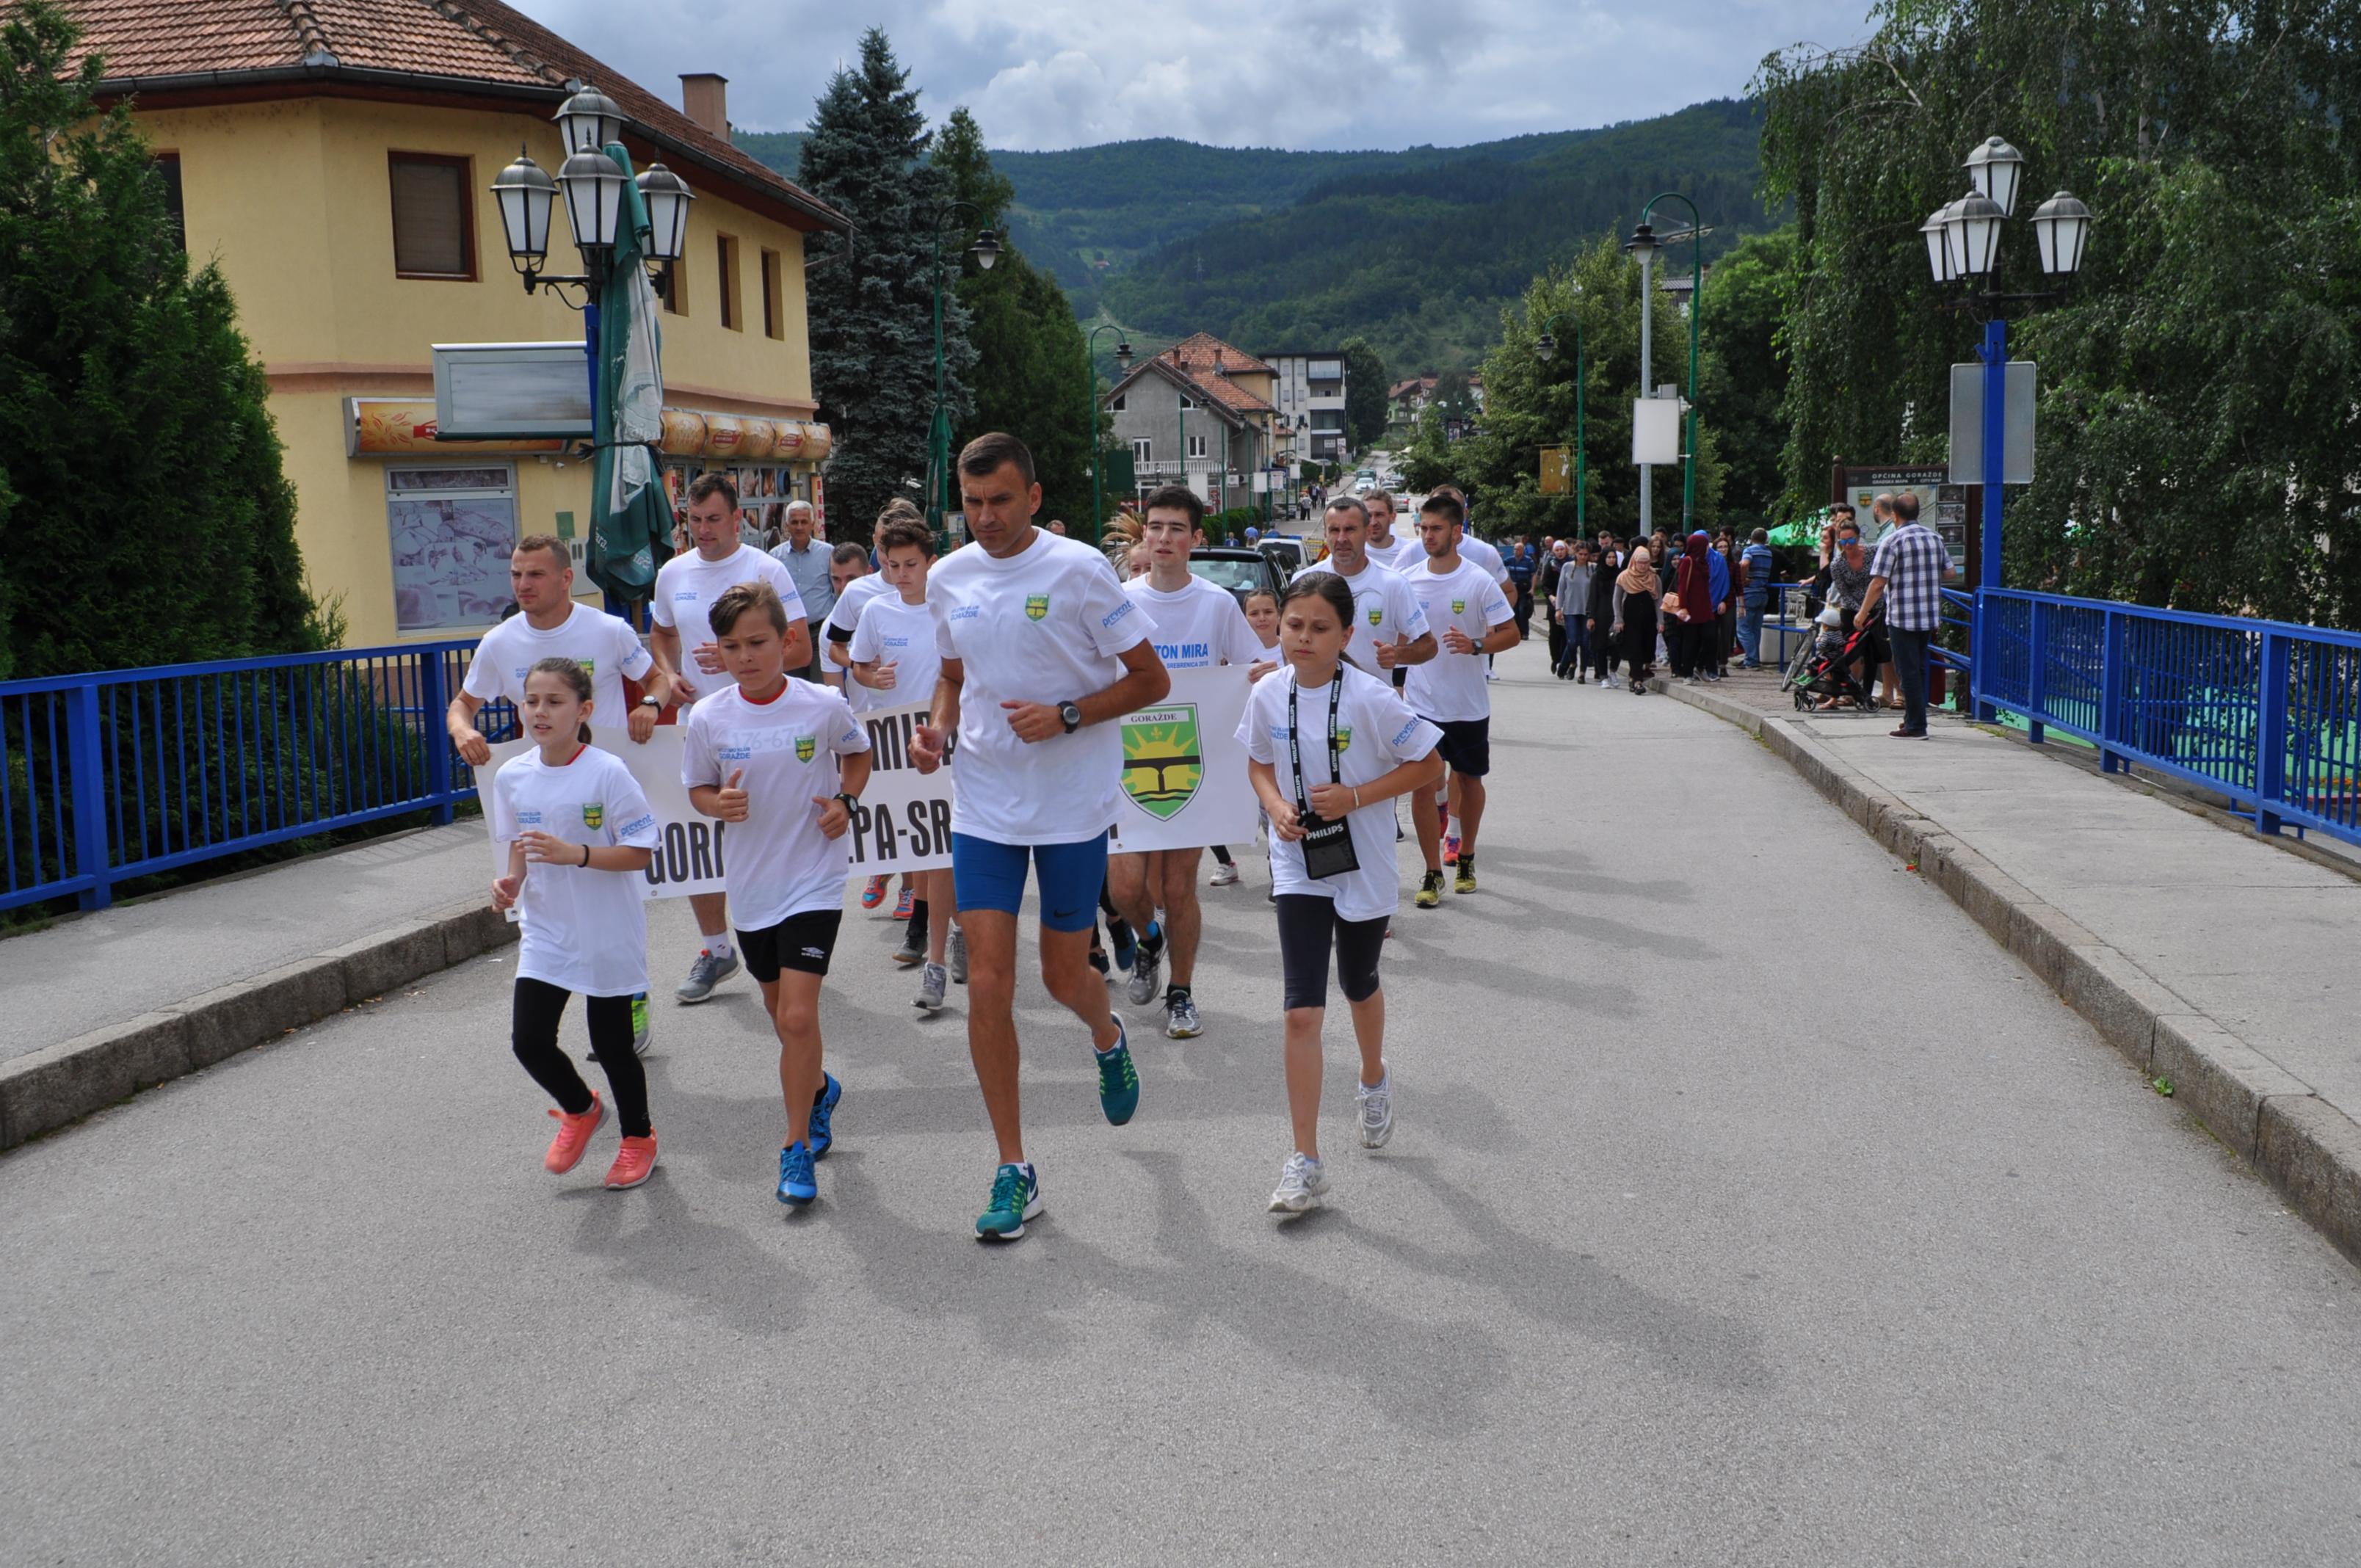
[[800, 942], [1467, 745]]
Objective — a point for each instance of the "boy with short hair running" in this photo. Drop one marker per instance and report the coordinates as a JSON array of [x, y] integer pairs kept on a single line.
[[1328, 743], [550, 625], [1198, 626], [685, 588], [579, 834], [893, 661], [1463, 601], [1043, 654], [784, 763]]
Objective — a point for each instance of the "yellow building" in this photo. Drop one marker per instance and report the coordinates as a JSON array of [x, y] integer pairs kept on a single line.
[[334, 157]]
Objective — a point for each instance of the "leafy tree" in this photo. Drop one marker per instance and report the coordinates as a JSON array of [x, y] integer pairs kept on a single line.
[[2200, 395], [872, 292], [1746, 300], [144, 516], [1365, 393]]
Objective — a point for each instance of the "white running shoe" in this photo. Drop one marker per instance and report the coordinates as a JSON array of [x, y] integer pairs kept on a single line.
[[1376, 1104], [931, 984], [1225, 876], [1302, 1182]]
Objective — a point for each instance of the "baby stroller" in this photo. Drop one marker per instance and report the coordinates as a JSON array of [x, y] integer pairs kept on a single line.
[[1832, 665]]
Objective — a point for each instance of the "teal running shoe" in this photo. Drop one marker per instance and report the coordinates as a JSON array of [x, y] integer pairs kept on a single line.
[[1015, 1198], [796, 1185], [823, 1114], [1118, 1080]]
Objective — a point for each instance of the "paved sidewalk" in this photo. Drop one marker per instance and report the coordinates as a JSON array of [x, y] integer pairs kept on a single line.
[[102, 970], [2242, 948]]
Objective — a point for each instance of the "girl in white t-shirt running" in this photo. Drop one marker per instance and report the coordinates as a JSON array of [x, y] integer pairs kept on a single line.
[[1332, 737], [580, 833]]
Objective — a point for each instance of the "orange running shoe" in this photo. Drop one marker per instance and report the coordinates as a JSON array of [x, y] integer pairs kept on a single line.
[[634, 1163], [573, 1136], [872, 893]]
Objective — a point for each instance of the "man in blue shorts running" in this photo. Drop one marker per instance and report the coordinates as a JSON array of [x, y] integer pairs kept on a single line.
[[1042, 654]]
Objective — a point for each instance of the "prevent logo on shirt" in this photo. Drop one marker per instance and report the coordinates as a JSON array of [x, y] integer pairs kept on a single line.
[[594, 814], [1037, 606], [807, 747]]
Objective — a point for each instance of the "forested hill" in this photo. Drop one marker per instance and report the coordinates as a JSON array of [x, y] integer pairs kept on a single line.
[[1416, 250]]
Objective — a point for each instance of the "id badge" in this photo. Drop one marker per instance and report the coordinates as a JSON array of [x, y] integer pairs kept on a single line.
[[1328, 849]]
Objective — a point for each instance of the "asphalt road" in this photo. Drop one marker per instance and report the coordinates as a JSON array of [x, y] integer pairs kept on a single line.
[[1748, 1206]]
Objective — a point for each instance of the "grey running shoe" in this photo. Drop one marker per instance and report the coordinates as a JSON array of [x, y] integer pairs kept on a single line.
[[1181, 1020], [913, 950], [930, 986], [959, 956], [1376, 1107], [706, 973], [1145, 965], [1300, 1183]]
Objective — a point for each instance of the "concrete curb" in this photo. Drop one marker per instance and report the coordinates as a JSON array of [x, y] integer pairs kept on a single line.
[[2306, 1148], [67, 1082]]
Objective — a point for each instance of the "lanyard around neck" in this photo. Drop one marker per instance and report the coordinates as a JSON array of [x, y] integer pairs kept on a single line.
[[1295, 742]]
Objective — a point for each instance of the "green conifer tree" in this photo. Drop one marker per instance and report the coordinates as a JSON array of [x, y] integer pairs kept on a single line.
[[143, 515]]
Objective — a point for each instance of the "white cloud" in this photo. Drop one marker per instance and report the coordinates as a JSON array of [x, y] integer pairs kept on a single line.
[[1299, 73]]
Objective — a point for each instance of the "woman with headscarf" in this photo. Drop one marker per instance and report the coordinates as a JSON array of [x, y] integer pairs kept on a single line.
[[1693, 589], [1635, 616]]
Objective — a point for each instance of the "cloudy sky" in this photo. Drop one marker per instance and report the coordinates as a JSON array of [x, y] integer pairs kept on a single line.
[[1295, 74]]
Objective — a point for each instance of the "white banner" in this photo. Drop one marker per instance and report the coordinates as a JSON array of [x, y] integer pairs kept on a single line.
[[1184, 776], [1184, 787]]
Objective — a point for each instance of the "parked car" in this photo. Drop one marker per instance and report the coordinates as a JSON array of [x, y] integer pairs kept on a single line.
[[1240, 570], [1288, 553]]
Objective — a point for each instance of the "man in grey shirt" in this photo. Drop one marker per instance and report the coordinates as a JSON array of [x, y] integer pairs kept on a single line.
[[806, 558]]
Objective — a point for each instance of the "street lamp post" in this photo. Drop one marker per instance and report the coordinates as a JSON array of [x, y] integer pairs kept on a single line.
[[1645, 243], [986, 250], [1963, 247], [1546, 347], [1091, 385]]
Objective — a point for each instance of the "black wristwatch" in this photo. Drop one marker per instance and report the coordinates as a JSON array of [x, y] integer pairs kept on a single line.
[[851, 801], [1070, 716]]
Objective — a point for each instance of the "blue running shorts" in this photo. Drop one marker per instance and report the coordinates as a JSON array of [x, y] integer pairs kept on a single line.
[[987, 874]]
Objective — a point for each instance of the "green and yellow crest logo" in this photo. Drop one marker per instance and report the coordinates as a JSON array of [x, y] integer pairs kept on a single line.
[[594, 814], [807, 748], [1163, 761], [1343, 739], [1037, 606], [1377, 614], [589, 667], [1459, 606]]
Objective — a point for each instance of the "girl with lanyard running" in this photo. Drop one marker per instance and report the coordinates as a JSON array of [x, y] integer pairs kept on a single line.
[[1332, 850], [579, 831]]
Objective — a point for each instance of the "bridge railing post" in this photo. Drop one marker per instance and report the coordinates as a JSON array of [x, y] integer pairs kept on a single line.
[[86, 771], [440, 756], [2271, 731]]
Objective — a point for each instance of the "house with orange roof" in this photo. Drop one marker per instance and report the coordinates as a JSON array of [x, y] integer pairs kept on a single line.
[[334, 157], [1202, 414]]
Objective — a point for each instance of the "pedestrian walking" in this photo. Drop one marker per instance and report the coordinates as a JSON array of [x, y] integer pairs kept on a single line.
[[1554, 560], [1906, 579], [580, 832], [1636, 589], [1756, 568], [1523, 565], [784, 764], [1571, 602], [1332, 854], [1600, 610], [805, 556], [1043, 653]]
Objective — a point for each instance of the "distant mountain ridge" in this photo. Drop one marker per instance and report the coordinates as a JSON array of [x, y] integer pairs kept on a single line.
[[1416, 250]]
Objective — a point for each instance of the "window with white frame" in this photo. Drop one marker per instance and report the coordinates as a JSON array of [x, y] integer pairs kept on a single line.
[[452, 529], [1188, 405], [1143, 450], [1196, 447], [1118, 406]]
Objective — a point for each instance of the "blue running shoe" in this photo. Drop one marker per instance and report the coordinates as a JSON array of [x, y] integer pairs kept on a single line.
[[1118, 1080], [796, 1182], [1120, 938], [1015, 1198], [823, 1114]]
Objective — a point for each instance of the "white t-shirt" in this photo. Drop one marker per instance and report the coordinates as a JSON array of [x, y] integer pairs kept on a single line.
[[1400, 553], [903, 633], [604, 645], [778, 862], [1198, 627], [582, 930], [1482, 552], [1384, 610], [1451, 686], [687, 586], [845, 619], [1376, 733], [1048, 624]]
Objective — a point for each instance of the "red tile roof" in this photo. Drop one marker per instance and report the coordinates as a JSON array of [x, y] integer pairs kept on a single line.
[[438, 45], [1197, 357]]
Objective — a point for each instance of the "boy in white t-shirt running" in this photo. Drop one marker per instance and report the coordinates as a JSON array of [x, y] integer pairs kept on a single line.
[[685, 588], [1198, 626], [1043, 655], [783, 762], [1472, 618], [894, 662]]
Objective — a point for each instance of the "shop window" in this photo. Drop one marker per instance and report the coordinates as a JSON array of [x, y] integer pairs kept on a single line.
[[433, 217], [452, 530], [725, 248], [774, 305]]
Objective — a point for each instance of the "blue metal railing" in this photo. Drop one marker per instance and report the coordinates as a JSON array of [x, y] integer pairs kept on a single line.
[[2264, 712], [128, 772]]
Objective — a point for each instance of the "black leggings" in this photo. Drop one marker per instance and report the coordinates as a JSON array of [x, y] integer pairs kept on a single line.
[[1308, 927], [532, 1033]]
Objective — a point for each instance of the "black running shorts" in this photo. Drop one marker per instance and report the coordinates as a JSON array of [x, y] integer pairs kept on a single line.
[[800, 942]]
